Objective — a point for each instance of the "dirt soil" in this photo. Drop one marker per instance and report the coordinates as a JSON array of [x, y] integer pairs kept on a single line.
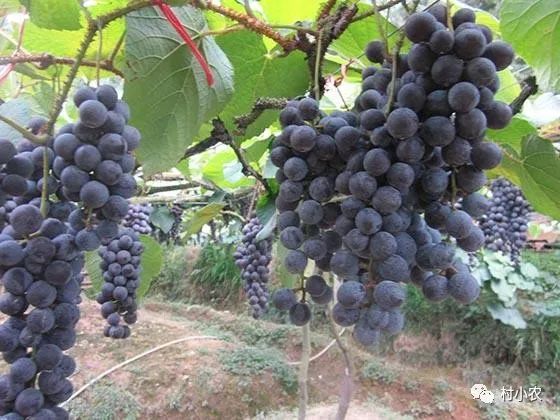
[[243, 373]]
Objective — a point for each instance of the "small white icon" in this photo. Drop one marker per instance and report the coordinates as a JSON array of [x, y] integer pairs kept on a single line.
[[487, 397], [480, 392], [477, 389]]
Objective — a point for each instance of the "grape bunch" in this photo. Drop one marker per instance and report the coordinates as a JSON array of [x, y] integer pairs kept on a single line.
[[93, 161], [41, 258], [177, 213], [368, 193], [252, 257], [138, 218], [505, 224], [286, 299], [30, 160], [121, 275], [40, 268], [15, 170]]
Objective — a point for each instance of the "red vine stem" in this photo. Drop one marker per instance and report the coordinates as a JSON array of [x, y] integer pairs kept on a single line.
[[6, 72], [177, 25]]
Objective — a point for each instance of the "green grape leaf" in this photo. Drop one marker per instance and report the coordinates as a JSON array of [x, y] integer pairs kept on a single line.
[[509, 87], [504, 291], [256, 149], [290, 11], [224, 170], [66, 43], [94, 270], [8, 6], [266, 212], [54, 14], [540, 178], [17, 110], [499, 270], [42, 96], [520, 282], [513, 134], [151, 262], [529, 270], [162, 218], [259, 73], [201, 217], [510, 167], [269, 170], [285, 278], [265, 209], [267, 230], [533, 29], [508, 316], [166, 87]]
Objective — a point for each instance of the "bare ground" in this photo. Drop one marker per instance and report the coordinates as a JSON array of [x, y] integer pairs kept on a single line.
[[242, 373]]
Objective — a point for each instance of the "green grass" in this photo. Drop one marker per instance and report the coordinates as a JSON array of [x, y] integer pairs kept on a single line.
[[375, 371], [255, 334], [250, 361], [105, 401], [214, 279], [172, 283], [548, 261]]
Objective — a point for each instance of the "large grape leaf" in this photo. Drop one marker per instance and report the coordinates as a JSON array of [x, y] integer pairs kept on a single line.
[[509, 86], [290, 11], [513, 134], [536, 169], [166, 87], [63, 43], [510, 167], [17, 110], [260, 74], [54, 14], [195, 223], [533, 29], [162, 218], [151, 263], [540, 179], [225, 171], [508, 316], [9, 6]]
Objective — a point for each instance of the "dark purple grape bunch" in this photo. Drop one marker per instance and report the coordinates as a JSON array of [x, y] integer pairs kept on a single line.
[[121, 274], [315, 289], [94, 163], [40, 267], [177, 212], [253, 257], [368, 194], [24, 185], [138, 218], [505, 224], [18, 165]]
